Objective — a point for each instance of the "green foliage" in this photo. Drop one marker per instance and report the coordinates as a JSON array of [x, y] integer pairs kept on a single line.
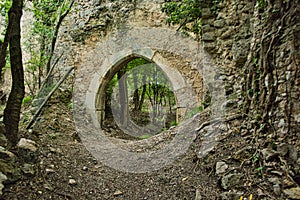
[[27, 100], [194, 111], [259, 171], [146, 136], [45, 92], [40, 42], [149, 89], [261, 3], [136, 62], [187, 14], [4, 7], [173, 123], [71, 106]]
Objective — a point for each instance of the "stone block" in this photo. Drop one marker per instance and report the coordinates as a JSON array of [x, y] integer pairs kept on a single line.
[[27, 150], [219, 23], [206, 13], [208, 36]]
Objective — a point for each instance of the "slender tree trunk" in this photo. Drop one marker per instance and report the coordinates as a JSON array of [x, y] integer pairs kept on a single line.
[[53, 42], [143, 93], [136, 97], [41, 63], [123, 98], [3, 48], [14, 102]]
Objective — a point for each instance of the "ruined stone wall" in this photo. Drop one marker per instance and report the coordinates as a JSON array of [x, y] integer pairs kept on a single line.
[[228, 36], [104, 32], [235, 36]]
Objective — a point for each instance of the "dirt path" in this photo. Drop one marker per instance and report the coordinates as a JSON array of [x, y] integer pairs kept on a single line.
[[66, 170]]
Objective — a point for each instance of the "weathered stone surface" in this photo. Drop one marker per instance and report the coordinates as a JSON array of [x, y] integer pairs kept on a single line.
[[206, 13], [3, 139], [3, 178], [230, 180], [28, 169], [221, 167], [27, 144], [293, 193], [269, 154], [6, 155], [11, 170], [219, 23], [210, 36], [231, 195], [27, 150]]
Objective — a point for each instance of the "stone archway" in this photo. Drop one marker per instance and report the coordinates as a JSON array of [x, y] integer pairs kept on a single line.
[[182, 90], [179, 58]]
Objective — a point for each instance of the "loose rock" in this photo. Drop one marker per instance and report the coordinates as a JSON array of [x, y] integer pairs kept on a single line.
[[231, 180], [72, 182], [293, 193], [2, 179], [221, 167]]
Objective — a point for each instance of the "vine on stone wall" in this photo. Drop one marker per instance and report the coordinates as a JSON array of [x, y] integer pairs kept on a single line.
[[262, 78]]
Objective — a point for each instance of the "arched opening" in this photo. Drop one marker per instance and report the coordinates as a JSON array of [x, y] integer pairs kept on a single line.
[[138, 98]]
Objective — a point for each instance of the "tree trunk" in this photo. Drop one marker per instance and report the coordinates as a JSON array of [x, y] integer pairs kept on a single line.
[[14, 102], [143, 93], [136, 97], [48, 81], [3, 48], [123, 98], [41, 62]]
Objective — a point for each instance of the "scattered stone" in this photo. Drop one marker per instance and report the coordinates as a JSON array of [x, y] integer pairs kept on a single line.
[[84, 168], [269, 154], [260, 193], [27, 150], [3, 139], [221, 167], [27, 144], [208, 36], [231, 195], [50, 170], [293, 153], [72, 182], [219, 23], [231, 180], [6, 155], [283, 149], [288, 183], [3, 178], [48, 187], [118, 192], [277, 189], [293, 193], [206, 13], [198, 195], [277, 172], [54, 150], [274, 180], [28, 169], [11, 170]]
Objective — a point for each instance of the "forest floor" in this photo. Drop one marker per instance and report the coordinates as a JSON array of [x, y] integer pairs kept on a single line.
[[66, 170]]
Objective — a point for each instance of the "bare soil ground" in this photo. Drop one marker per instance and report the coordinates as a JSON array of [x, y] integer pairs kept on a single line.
[[66, 170]]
